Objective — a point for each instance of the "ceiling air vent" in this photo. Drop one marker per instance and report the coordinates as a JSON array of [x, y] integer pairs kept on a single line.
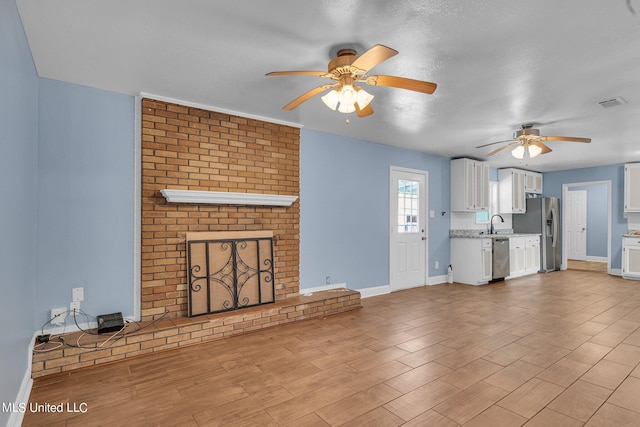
[[613, 102]]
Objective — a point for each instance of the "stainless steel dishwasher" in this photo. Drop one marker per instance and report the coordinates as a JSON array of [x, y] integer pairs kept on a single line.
[[500, 258]]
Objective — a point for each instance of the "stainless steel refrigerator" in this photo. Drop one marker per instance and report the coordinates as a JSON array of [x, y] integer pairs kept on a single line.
[[542, 217]]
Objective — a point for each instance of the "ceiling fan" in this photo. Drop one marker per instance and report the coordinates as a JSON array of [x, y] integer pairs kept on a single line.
[[529, 143], [347, 69]]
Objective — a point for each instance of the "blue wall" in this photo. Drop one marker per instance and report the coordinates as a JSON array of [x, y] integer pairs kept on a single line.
[[18, 201], [553, 182], [344, 202], [597, 225], [86, 199]]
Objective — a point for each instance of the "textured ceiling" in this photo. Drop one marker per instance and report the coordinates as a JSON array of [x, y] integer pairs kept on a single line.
[[497, 63]]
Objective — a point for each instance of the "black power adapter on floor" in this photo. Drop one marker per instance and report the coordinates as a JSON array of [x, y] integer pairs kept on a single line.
[[43, 339], [110, 322]]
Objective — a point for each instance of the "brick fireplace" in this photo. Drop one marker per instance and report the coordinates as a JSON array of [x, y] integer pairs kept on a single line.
[[192, 149]]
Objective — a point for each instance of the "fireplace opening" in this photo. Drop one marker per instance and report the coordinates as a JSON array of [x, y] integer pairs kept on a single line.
[[229, 271]]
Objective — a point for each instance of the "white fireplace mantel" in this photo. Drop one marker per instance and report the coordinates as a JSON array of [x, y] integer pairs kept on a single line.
[[226, 198]]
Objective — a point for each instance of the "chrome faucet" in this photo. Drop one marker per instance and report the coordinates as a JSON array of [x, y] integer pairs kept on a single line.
[[491, 221]]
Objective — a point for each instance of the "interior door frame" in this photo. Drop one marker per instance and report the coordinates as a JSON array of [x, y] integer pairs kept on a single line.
[[425, 206], [565, 190]]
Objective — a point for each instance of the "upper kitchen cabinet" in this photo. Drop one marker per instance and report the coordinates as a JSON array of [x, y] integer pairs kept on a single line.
[[511, 183], [469, 185], [632, 187], [532, 182]]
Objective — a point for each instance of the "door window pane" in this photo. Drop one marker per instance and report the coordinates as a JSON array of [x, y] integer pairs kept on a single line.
[[408, 203]]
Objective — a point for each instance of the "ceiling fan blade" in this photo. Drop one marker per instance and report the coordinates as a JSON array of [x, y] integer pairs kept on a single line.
[[402, 83], [545, 148], [305, 96], [564, 138], [373, 57], [366, 111], [308, 73], [494, 143], [497, 150]]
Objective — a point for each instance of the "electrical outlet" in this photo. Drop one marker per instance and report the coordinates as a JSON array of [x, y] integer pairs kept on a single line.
[[437, 265], [327, 280], [58, 315], [74, 307], [77, 294]]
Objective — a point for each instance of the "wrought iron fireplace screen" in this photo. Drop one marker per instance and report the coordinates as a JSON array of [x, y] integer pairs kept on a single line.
[[229, 273]]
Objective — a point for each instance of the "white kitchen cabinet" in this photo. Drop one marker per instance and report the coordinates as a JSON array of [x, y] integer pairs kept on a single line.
[[632, 187], [469, 185], [517, 257], [631, 257], [471, 260], [532, 254], [532, 182], [487, 260], [511, 191]]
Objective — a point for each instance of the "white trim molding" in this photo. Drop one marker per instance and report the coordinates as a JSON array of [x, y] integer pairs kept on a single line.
[[437, 280], [217, 109], [374, 291], [597, 258], [226, 198], [306, 291], [22, 398], [137, 204]]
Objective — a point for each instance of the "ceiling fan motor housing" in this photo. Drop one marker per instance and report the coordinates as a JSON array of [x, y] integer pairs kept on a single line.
[[341, 64], [527, 130]]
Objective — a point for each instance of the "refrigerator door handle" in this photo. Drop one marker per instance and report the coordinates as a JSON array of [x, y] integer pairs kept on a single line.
[[554, 222]]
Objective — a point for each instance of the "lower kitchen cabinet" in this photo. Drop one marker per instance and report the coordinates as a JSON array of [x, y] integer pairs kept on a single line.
[[471, 260], [532, 254], [517, 257], [524, 255], [631, 257]]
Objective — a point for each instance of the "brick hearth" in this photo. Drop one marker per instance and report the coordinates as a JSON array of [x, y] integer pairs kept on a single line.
[[178, 332]]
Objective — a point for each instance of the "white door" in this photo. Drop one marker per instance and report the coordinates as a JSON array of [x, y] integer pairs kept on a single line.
[[408, 234], [576, 224]]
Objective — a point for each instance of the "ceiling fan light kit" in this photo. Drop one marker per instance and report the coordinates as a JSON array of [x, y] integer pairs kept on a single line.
[[347, 97], [528, 151], [347, 69]]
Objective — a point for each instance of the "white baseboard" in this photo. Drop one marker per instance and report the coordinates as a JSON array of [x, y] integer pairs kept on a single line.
[[374, 291], [16, 417], [615, 272], [304, 291], [438, 280], [597, 259]]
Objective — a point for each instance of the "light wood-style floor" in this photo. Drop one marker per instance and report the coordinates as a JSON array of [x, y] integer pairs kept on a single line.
[[556, 349], [573, 264]]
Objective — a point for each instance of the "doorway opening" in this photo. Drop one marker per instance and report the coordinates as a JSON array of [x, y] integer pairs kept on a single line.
[[586, 221]]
